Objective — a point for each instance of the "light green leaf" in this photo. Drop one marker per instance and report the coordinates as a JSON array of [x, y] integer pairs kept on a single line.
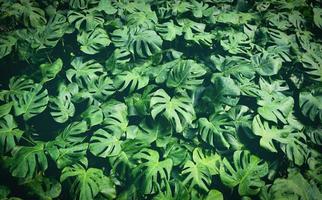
[[246, 172], [9, 134], [32, 103], [50, 70], [94, 41], [28, 161], [104, 144], [178, 110]]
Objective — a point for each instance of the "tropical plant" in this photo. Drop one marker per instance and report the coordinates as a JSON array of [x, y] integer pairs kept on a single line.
[[163, 100]]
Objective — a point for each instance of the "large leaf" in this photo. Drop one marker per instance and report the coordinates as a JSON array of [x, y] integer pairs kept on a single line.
[[7, 42], [199, 171], [50, 70], [83, 72], [187, 74], [138, 41], [9, 134], [178, 110], [30, 13], [295, 186], [311, 105], [246, 172], [32, 103], [153, 173], [74, 132], [17, 87], [61, 107], [266, 64], [28, 161], [274, 109], [86, 20], [317, 17], [94, 41], [134, 79], [104, 144], [87, 182]]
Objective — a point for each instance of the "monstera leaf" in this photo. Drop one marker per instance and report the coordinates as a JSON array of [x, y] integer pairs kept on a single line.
[[134, 80], [295, 186], [274, 109], [93, 115], [31, 14], [83, 72], [94, 41], [87, 182], [153, 173], [138, 41], [246, 172], [74, 132], [61, 107], [49, 35], [312, 62], [115, 117], [9, 134], [65, 153], [101, 88], [78, 4], [86, 20], [32, 103], [266, 64], [28, 161], [317, 17], [50, 70], [268, 134], [17, 87], [223, 91], [187, 74], [199, 171], [104, 144], [6, 44], [178, 110], [311, 105], [169, 31], [212, 130], [236, 43]]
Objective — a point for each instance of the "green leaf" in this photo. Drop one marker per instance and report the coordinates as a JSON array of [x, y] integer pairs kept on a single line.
[[104, 144], [168, 31], [107, 7], [311, 105], [5, 109], [9, 134], [86, 20], [83, 72], [223, 91], [74, 132], [295, 186], [317, 18], [246, 172], [214, 194], [50, 70], [79, 4], [65, 153], [187, 74], [32, 103], [268, 134], [7, 42], [134, 80], [87, 183], [274, 108], [153, 173], [199, 171], [101, 88], [212, 131], [138, 41], [266, 64], [61, 107], [94, 41], [93, 115], [31, 14], [17, 87], [43, 188], [28, 161], [312, 62], [115, 117], [178, 110]]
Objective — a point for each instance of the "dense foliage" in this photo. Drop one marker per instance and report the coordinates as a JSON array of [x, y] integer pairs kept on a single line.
[[167, 99]]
